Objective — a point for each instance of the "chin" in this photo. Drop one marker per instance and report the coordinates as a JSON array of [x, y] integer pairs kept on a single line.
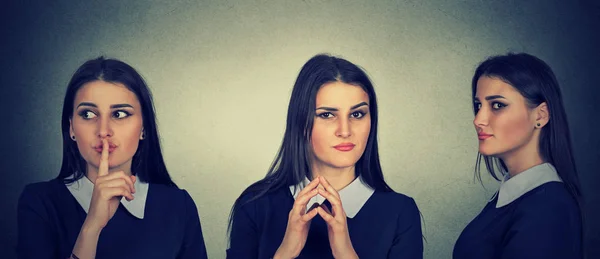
[[487, 152], [492, 153], [344, 163]]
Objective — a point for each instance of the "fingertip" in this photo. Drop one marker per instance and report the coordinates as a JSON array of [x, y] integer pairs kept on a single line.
[[322, 192], [321, 212], [311, 214]]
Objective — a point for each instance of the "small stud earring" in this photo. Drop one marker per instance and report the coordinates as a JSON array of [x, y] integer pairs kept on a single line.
[[538, 124], [73, 138]]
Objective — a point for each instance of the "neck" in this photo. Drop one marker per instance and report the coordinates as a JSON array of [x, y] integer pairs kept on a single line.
[[337, 177], [522, 159], [92, 171]]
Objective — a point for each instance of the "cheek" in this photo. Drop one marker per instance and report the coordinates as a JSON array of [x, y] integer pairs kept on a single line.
[[129, 136], [132, 138], [85, 133], [513, 128], [363, 130], [318, 139]]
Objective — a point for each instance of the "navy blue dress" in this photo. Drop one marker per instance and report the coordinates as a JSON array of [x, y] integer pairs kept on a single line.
[[387, 226], [543, 223], [49, 221]]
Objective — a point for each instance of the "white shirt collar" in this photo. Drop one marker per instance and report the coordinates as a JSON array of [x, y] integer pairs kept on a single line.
[[83, 188], [353, 196], [514, 187]]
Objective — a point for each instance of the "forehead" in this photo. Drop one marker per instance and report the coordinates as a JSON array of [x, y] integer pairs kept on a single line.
[[105, 93], [487, 86], [341, 94]]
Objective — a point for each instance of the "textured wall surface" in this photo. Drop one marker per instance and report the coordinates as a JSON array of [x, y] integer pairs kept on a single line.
[[222, 72]]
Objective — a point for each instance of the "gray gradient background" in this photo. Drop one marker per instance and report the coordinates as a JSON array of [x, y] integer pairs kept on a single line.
[[222, 72]]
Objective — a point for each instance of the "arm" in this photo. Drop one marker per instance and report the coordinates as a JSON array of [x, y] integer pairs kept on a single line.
[[408, 242], [36, 237], [244, 236], [193, 241], [243, 239], [106, 196], [543, 229]]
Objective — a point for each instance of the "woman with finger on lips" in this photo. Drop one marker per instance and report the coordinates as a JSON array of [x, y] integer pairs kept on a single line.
[[113, 197], [524, 141], [325, 196]]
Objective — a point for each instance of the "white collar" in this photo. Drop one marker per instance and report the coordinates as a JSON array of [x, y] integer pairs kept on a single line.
[[514, 187], [83, 188], [353, 196]]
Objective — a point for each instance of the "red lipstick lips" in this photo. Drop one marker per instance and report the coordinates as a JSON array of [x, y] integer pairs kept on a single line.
[[344, 147], [111, 147], [483, 136]]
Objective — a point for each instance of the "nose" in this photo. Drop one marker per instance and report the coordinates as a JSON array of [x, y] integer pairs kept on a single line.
[[104, 128], [481, 119], [343, 129]]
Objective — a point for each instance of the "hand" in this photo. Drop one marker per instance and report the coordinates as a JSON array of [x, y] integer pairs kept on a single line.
[[298, 223], [337, 228], [107, 194]]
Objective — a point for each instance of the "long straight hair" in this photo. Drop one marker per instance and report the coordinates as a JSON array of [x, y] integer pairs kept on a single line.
[[536, 82], [147, 163], [293, 161]]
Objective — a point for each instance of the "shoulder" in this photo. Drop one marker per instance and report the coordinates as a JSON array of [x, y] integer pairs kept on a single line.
[[257, 197], [395, 200], [166, 190], [41, 197], [170, 195], [256, 203], [42, 190], [547, 197], [547, 221], [394, 206]]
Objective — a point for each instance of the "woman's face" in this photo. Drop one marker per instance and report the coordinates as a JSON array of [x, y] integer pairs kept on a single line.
[[503, 120], [111, 111], [341, 126]]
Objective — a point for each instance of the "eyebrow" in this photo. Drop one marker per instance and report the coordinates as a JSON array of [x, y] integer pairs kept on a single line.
[[491, 97], [330, 109], [114, 106]]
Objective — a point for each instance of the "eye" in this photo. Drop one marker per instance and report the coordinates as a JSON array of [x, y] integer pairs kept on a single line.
[[498, 105], [87, 114], [477, 106], [121, 114], [325, 115], [357, 114]]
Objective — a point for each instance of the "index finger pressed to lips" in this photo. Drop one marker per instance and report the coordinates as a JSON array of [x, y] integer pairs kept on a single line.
[[103, 167]]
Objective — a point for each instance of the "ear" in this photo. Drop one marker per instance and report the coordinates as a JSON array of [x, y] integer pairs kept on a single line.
[[542, 115], [142, 134], [71, 132]]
